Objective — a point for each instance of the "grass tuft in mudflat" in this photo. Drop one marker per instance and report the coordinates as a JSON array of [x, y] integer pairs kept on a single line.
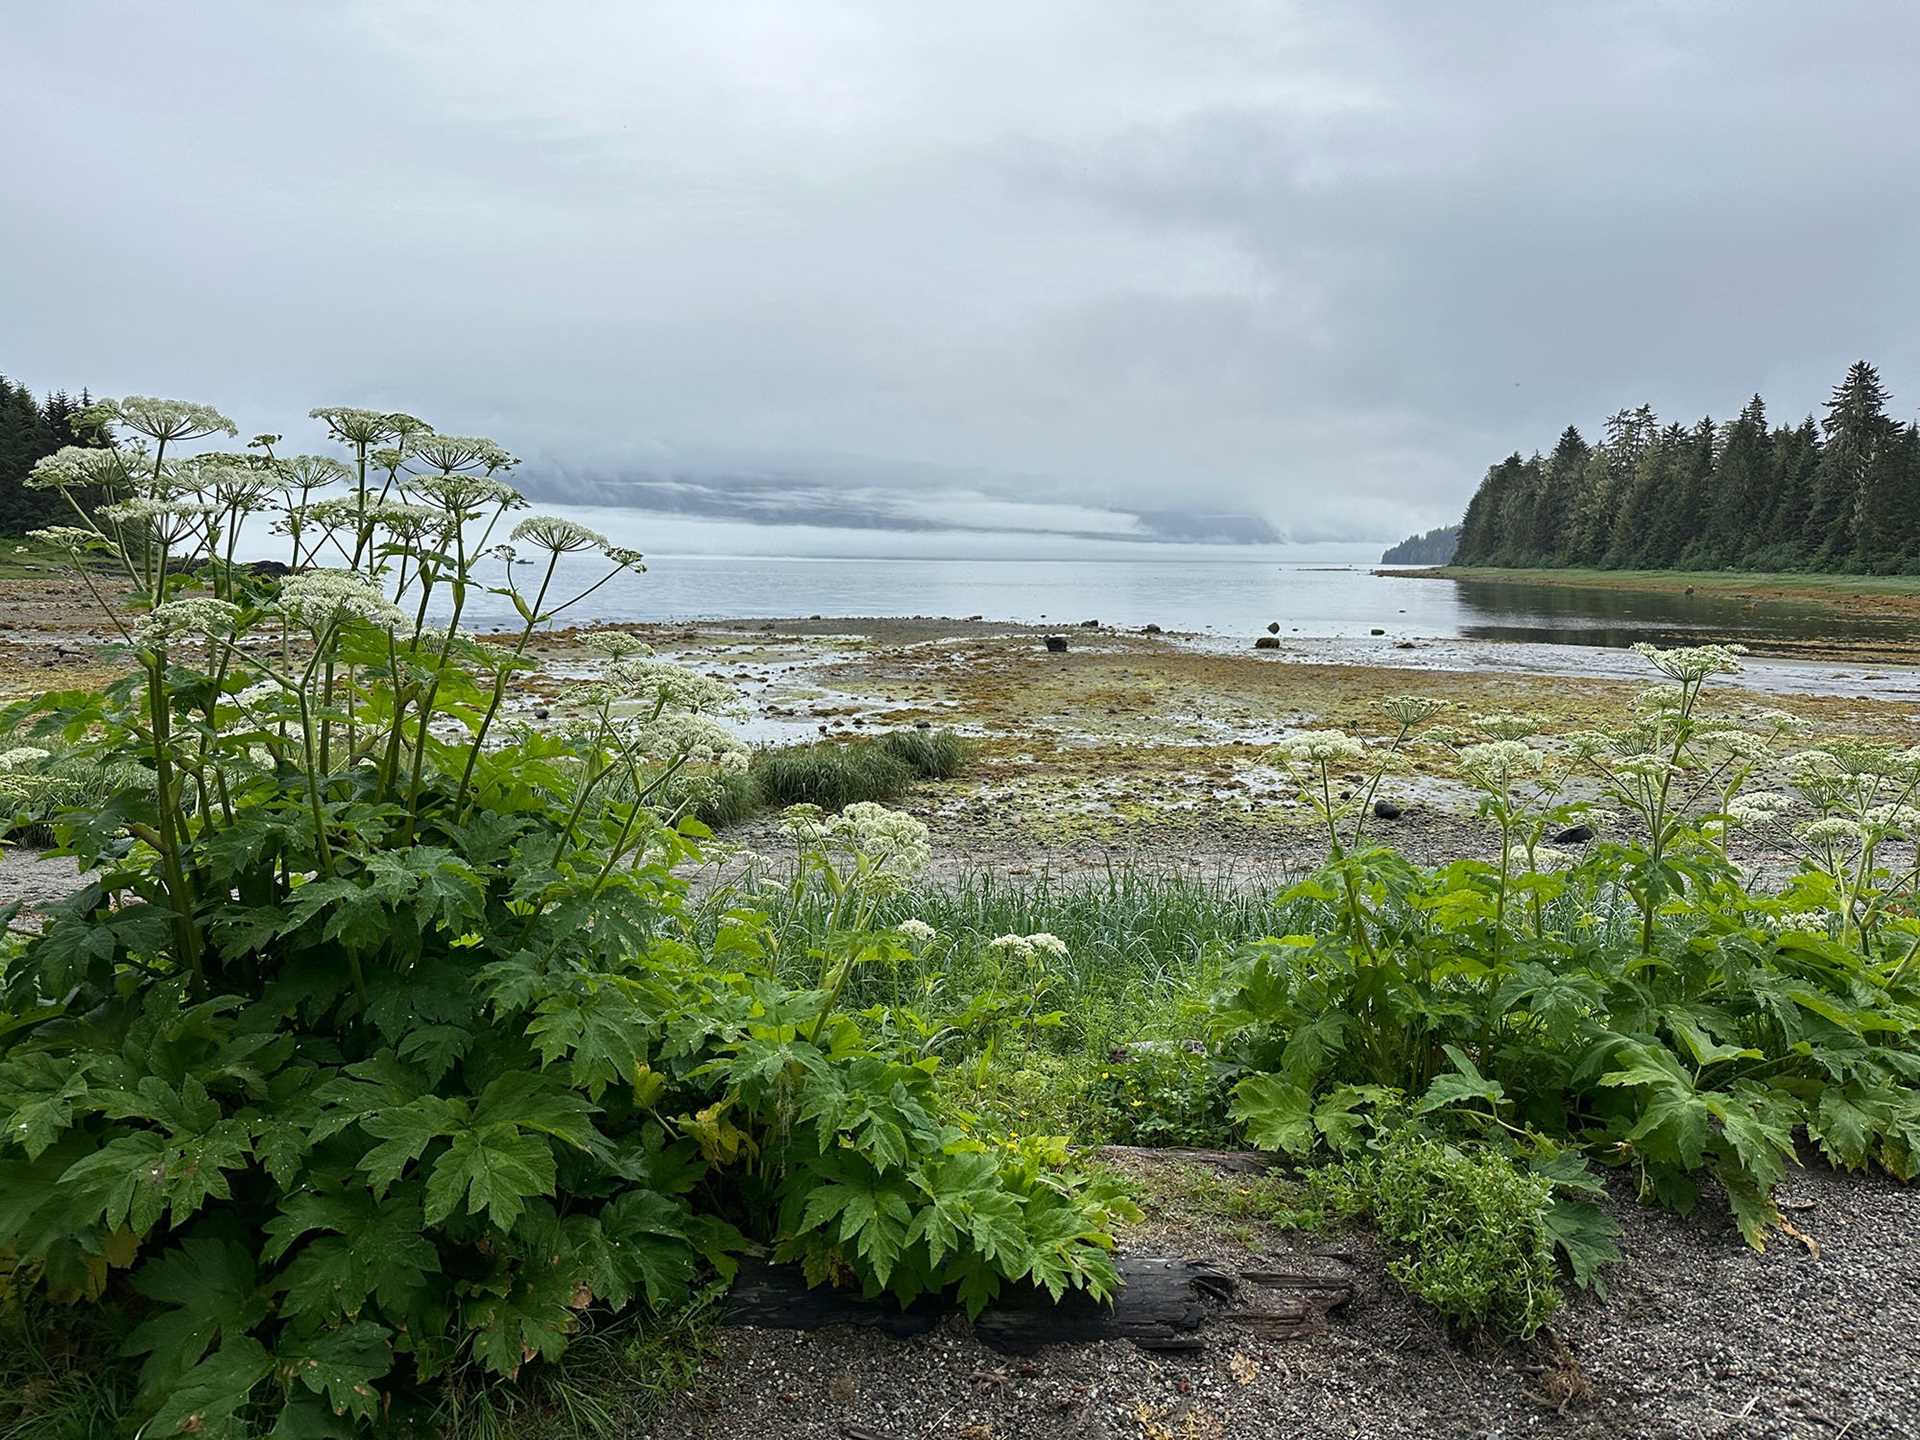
[[834, 774]]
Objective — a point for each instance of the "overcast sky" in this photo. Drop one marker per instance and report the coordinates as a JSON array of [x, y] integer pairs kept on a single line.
[[1102, 269]]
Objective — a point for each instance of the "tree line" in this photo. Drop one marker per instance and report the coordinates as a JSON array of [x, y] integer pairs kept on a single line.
[[1431, 547], [1841, 493], [29, 430]]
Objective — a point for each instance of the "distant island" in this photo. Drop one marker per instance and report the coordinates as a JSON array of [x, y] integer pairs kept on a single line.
[[1841, 495], [1435, 547]]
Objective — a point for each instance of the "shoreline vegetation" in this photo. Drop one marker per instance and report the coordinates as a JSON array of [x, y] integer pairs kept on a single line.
[[408, 950], [1891, 595]]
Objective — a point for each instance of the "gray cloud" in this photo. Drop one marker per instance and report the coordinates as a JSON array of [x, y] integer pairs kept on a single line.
[[1109, 268]]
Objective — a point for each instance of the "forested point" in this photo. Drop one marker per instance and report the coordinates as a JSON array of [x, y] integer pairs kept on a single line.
[[1435, 547], [30, 430], [1838, 494]]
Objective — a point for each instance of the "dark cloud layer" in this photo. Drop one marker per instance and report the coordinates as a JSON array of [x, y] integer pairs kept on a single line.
[[1107, 268]]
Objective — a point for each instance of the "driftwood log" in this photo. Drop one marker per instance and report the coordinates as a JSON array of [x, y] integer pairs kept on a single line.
[[1164, 1304]]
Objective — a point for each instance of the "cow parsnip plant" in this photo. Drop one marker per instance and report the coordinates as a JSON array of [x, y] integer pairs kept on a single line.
[[1639, 1006], [378, 1052]]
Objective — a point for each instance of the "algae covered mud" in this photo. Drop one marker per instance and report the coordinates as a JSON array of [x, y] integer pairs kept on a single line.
[[1128, 746]]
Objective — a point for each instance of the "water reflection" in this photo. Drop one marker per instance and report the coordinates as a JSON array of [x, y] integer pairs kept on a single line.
[[1578, 615]]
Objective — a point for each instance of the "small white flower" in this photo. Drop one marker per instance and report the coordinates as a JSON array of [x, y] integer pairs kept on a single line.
[[67, 537], [22, 755], [184, 617], [917, 932], [1689, 663], [1500, 762], [320, 598], [1410, 710], [674, 685], [557, 534], [1330, 748], [615, 644], [1757, 807], [1832, 831]]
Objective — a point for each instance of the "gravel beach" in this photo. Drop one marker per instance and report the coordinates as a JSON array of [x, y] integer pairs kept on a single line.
[[1699, 1337]]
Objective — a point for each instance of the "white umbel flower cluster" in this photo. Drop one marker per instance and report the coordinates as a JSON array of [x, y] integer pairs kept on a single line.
[[321, 598], [695, 737], [1758, 807], [675, 686], [1041, 945], [916, 932], [615, 644], [1833, 832], [203, 617], [1498, 763], [890, 847], [1329, 748], [558, 535], [21, 755], [1689, 663], [66, 537]]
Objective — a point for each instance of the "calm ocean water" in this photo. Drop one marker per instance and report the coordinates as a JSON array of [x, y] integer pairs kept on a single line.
[[1227, 597]]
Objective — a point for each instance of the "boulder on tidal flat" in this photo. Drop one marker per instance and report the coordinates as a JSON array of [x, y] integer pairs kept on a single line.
[[1386, 810], [1273, 627], [1266, 642], [1057, 644]]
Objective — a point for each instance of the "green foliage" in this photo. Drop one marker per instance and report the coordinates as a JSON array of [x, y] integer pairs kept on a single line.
[[1470, 1228], [380, 1056], [1160, 1093], [1639, 1006]]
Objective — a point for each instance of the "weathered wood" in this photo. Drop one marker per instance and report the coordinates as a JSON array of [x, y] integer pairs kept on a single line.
[[1164, 1304]]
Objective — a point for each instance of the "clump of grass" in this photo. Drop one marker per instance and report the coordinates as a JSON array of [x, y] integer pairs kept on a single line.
[[930, 754], [54, 1384], [834, 774]]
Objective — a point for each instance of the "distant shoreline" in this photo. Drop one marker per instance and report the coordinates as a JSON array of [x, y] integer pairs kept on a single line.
[[1885, 595]]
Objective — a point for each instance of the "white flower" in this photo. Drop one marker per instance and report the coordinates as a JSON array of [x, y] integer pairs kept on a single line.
[[146, 510], [674, 685], [886, 844], [21, 755], [1645, 767], [1029, 948], [1808, 922], [164, 419], [1689, 663], [1808, 766], [559, 535], [365, 427], [1506, 725], [615, 644], [468, 494], [1738, 744], [1894, 817], [1832, 831], [311, 472], [1780, 720], [75, 466], [449, 453], [699, 739], [1319, 747], [1410, 710], [184, 617], [1756, 807], [67, 537], [320, 598], [916, 932], [1500, 762]]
